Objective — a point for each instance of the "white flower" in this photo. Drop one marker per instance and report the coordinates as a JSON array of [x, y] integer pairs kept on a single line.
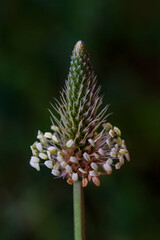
[[109, 161], [111, 133], [82, 171], [40, 135], [34, 162], [116, 146], [121, 160], [91, 142], [127, 157], [56, 166], [63, 164], [54, 138], [94, 166], [51, 150], [35, 159], [123, 151], [55, 172], [68, 169], [75, 177], [113, 152], [119, 141], [60, 157], [108, 126], [34, 150], [118, 165], [93, 173], [69, 143], [39, 146], [55, 128], [86, 156], [33, 146], [108, 141], [107, 167], [96, 155], [49, 155], [49, 164], [43, 156], [48, 135], [73, 159], [117, 131], [101, 151]]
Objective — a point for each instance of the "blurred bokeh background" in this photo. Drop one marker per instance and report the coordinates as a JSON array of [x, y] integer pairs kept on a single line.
[[36, 41]]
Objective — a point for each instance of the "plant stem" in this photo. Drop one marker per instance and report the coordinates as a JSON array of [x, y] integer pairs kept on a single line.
[[78, 204]]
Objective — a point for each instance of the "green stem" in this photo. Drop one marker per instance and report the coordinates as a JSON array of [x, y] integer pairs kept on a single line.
[[78, 202]]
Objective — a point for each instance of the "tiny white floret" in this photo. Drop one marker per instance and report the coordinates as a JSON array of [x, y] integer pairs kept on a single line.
[[111, 133], [40, 135], [93, 173], [39, 146], [73, 159], [54, 138], [127, 157], [68, 169], [63, 164], [49, 164], [107, 167], [94, 166], [113, 152], [123, 151], [43, 156], [108, 126], [118, 165], [108, 141], [60, 157], [117, 131], [96, 155], [91, 142], [109, 161], [55, 128], [34, 151], [48, 135], [51, 150], [86, 156], [101, 152], [56, 166], [121, 160], [82, 171], [55, 172], [69, 143], [34, 162]]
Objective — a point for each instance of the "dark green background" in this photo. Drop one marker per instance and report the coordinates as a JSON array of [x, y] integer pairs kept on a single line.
[[36, 41]]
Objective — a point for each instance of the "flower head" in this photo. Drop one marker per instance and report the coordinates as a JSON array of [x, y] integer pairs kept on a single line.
[[75, 148]]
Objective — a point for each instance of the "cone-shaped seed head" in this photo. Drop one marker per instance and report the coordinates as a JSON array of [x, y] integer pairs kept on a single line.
[[81, 97], [77, 149]]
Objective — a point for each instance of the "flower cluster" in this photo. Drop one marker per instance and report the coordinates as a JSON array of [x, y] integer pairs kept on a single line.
[[75, 148], [66, 159]]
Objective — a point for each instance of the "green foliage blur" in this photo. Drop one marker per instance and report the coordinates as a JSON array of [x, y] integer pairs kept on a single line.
[[36, 41]]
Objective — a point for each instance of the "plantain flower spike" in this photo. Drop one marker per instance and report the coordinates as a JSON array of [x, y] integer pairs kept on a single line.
[[82, 145]]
